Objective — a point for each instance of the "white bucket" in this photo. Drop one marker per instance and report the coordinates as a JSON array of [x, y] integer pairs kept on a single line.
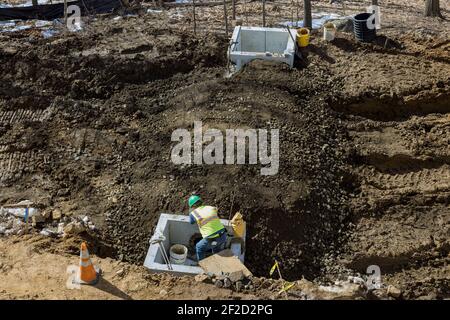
[[178, 254], [329, 31]]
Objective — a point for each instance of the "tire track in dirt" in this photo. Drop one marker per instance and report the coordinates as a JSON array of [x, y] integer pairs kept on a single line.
[[425, 180], [402, 212], [22, 115], [14, 164]]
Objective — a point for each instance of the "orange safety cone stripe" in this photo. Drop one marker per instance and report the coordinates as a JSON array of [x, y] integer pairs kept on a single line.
[[87, 270]]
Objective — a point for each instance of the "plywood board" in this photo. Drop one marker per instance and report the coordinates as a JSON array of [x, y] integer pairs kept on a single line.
[[224, 262]]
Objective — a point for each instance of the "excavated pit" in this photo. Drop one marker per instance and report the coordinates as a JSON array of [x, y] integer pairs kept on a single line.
[[362, 180]]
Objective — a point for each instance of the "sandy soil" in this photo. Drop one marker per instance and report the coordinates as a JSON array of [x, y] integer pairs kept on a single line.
[[86, 119], [30, 271]]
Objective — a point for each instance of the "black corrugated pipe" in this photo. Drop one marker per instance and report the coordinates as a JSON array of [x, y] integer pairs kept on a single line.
[[363, 32]]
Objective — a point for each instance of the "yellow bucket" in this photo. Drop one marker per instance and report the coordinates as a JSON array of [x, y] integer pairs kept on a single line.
[[303, 37], [238, 224]]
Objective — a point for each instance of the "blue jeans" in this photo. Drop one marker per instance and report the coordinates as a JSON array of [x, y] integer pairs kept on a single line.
[[207, 244]]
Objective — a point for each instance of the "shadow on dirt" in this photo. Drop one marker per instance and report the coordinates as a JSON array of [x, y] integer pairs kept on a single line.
[[108, 287]]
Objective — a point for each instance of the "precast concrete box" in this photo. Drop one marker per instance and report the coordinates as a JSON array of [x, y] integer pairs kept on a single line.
[[272, 44], [177, 229]]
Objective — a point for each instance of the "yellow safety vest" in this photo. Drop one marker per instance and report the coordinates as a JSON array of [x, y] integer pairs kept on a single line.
[[207, 219]]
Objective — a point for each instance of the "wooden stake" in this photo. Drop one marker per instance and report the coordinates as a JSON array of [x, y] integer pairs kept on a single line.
[[231, 208], [264, 12], [245, 12], [233, 3], [292, 13], [195, 20], [225, 17], [432, 8], [65, 12], [307, 19]]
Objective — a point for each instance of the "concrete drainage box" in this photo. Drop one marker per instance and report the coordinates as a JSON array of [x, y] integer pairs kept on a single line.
[[177, 230], [273, 44]]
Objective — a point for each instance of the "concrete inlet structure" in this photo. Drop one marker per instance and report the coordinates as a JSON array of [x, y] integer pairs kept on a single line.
[[273, 44], [177, 230]]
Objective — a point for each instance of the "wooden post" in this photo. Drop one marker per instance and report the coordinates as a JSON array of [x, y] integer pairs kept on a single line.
[[65, 12], [225, 17], [307, 19], [233, 3], [292, 14], [264, 12], [245, 12], [195, 19], [432, 8]]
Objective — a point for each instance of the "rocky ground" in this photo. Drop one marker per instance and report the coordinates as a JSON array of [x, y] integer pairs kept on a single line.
[[364, 178]]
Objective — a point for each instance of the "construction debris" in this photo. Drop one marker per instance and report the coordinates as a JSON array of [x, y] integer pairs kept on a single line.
[[341, 290], [225, 270], [224, 263], [394, 292], [14, 219], [202, 277], [56, 214], [74, 228]]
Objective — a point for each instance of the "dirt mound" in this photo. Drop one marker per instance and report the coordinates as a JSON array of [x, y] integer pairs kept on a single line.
[[293, 216]]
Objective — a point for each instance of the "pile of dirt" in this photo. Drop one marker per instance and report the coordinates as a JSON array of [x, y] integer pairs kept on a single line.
[[294, 216]]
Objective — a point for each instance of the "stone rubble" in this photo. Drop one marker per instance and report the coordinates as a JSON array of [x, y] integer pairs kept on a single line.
[[54, 225]]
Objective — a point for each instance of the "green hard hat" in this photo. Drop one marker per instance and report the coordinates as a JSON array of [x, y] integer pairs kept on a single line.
[[193, 200]]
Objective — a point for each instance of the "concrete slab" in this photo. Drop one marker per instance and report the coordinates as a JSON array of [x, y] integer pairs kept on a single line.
[[224, 262], [177, 230]]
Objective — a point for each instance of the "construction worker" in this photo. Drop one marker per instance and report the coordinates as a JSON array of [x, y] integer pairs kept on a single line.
[[213, 232]]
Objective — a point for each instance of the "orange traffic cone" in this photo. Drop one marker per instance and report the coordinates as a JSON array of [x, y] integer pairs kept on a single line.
[[88, 274]]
